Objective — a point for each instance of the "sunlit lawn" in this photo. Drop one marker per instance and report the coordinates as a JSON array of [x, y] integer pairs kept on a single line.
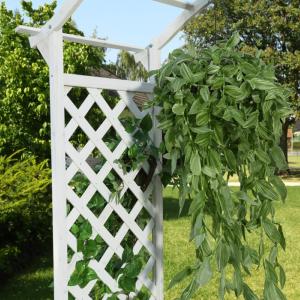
[[34, 283]]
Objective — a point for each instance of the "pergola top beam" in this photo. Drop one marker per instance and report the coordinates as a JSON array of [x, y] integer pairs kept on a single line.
[[177, 3], [68, 7], [83, 40], [178, 24]]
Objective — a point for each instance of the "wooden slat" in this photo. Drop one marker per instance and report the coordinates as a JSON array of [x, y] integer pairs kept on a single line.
[[107, 83], [178, 24], [177, 3], [56, 23], [84, 40]]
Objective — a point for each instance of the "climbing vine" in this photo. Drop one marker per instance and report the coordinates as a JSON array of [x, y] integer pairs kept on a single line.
[[221, 116]]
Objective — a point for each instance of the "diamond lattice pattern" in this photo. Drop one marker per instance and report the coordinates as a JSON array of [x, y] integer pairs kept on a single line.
[[94, 161]]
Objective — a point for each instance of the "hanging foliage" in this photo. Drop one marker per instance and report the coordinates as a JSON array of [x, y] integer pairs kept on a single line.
[[222, 114]]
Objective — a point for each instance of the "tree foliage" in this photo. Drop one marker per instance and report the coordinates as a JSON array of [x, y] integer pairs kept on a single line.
[[221, 116], [24, 87]]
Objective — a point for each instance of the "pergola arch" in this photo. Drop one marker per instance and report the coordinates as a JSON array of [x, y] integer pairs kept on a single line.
[[49, 40]]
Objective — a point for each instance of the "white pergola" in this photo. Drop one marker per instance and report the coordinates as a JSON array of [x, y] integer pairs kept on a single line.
[[49, 41]]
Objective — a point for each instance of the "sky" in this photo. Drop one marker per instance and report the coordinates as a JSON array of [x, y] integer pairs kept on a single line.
[[134, 22]]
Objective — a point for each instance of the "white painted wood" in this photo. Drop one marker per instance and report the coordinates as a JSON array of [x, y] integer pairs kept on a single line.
[[58, 166], [83, 40], [96, 180], [66, 10], [165, 37], [177, 3], [154, 63], [107, 83]]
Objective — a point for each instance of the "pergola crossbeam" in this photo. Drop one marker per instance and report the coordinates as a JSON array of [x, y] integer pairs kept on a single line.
[[177, 3], [178, 24], [83, 40], [68, 7]]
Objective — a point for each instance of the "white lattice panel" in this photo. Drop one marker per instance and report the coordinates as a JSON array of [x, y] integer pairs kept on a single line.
[[128, 217]]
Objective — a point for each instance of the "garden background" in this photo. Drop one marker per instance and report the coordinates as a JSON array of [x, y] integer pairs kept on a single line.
[[25, 194]]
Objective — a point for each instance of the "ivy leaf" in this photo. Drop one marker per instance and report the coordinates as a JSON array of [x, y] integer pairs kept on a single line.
[[195, 163], [127, 284], [146, 123], [133, 268], [85, 231], [180, 276]]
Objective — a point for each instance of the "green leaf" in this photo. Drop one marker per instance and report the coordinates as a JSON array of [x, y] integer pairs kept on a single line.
[[271, 231], [238, 282], [178, 109], [180, 276], [146, 123], [195, 108], [204, 92], [235, 92], [186, 72], [280, 186], [177, 84], [127, 284], [282, 277], [90, 249], [262, 156], [278, 157], [85, 230], [233, 41], [272, 292], [210, 172], [266, 190], [222, 255], [261, 84], [195, 163], [230, 158], [133, 268], [204, 274], [248, 293]]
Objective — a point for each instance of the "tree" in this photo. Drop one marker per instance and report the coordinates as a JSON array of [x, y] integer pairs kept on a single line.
[[271, 26], [24, 87]]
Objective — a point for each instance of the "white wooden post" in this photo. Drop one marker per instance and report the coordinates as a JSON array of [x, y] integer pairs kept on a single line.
[[55, 42], [153, 64]]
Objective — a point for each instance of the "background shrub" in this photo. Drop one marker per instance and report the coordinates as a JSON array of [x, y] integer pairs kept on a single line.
[[25, 211]]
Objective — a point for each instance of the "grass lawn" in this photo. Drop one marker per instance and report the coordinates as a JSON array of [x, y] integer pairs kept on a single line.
[[294, 161], [34, 282]]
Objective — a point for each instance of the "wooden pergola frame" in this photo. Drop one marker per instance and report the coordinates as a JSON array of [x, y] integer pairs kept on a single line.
[[49, 41]]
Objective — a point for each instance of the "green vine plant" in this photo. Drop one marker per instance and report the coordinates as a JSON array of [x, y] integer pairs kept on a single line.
[[221, 116]]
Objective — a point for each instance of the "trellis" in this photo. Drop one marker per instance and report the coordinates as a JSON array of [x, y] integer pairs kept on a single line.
[[49, 40]]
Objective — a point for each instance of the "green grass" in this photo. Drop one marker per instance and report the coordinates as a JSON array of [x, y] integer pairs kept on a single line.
[[34, 282], [294, 161]]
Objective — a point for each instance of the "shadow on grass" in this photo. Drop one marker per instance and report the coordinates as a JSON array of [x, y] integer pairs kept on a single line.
[[32, 283], [171, 208]]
